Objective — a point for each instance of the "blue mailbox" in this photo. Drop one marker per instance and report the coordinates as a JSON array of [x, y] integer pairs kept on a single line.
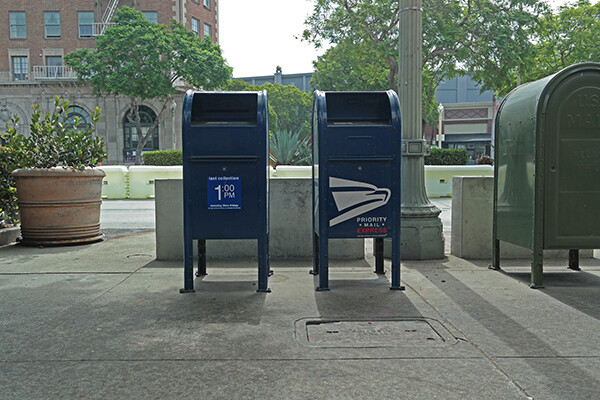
[[225, 175], [356, 174]]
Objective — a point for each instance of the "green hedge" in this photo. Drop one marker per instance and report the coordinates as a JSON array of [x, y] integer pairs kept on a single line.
[[163, 157], [447, 157]]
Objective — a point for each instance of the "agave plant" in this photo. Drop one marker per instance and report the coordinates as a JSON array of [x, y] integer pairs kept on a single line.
[[289, 148]]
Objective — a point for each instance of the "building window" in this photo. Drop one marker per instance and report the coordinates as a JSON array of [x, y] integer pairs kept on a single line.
[[54, 67], [130, 135], [207, 30], [74, 114], [52, 24], [207, 4], [18, 29], [20, 67], [196, 26], [86, 24], [151, 16]]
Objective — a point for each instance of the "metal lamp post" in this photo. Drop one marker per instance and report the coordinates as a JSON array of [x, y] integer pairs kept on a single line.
[[421, 231], [441, 118], [173, 108]]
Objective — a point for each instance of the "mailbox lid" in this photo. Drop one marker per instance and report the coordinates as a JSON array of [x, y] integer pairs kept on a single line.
[[572, 162], [225, 124], [359, 124]]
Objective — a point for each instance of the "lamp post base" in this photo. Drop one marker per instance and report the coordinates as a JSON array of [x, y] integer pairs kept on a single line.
[[422, 239]]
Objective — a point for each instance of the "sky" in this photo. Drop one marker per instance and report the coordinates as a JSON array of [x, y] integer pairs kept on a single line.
[[256, 36]]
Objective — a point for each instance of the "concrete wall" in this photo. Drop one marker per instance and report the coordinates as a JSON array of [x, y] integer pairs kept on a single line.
[[472, 209], [438, 178], [290, 225], [138, 181]]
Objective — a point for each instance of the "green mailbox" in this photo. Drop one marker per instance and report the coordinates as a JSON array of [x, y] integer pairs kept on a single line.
[[547, 167]]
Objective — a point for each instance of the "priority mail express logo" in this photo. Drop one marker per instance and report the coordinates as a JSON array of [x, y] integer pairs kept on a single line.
[[353, 198]]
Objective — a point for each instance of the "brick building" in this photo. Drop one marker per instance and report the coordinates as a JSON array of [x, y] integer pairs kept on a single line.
[[36, 35]]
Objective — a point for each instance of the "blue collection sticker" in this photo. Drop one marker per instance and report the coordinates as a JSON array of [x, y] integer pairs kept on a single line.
[[224, 192]]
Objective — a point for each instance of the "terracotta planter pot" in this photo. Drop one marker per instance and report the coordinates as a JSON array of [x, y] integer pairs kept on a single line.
[[59, 206]]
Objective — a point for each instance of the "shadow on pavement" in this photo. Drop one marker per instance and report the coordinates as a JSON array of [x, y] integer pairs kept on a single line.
[[564, 372], [577, 289]]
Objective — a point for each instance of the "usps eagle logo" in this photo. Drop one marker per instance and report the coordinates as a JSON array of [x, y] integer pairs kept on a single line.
[[353, 198]]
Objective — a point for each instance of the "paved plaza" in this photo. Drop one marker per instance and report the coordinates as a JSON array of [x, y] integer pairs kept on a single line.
[[107, 321]]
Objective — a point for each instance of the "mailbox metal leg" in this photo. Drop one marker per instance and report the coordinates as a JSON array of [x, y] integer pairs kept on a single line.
[[379, 269], [537, 268], [574, 259], [263, 266], [269, 255], [188, 268], [495, 255], [323, 263], [201, 258], [396, 264], [315, 270]]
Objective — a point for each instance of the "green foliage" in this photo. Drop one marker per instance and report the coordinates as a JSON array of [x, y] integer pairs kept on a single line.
[[565, 38], [447, 157], [163, 157], [350, 67], [9, 161], [489, 39], [51, 143], [289, 107], [142, 60], [358, 67], [292, 106], [289, 148]]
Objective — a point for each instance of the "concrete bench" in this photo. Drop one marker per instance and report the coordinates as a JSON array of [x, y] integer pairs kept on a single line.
[[472, 209]]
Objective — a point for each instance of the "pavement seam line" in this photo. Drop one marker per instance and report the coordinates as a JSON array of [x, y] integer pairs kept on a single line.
[[91, 360], [483, 353], [62, 273], [98, 297]]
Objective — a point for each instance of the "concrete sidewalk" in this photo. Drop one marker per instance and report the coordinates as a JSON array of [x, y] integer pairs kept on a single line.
[[106, 321]]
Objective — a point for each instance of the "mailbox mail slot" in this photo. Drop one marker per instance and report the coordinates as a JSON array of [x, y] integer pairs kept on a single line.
[[225, 175], [547, 149], [356, 174]]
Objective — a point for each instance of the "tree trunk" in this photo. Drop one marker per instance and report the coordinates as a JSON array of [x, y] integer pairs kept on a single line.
[[134, 117]]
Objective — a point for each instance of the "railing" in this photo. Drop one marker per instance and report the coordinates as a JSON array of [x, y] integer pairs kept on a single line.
[[53, 73], [98, 28]]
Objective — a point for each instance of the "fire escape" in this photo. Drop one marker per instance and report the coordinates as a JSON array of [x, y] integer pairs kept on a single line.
[[109, 12]]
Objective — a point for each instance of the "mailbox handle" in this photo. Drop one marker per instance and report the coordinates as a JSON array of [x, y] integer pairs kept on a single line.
[[360, 158], [212, 159]]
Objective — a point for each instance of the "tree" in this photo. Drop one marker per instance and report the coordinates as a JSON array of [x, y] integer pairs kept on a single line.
[[143, 60], [567, 37], [347, 66], [357, 67], [489, 39], [289, 107]]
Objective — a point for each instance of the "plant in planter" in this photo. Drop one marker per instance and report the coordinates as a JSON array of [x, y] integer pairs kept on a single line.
[[9, 160], [59, 193], [288, 148]]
